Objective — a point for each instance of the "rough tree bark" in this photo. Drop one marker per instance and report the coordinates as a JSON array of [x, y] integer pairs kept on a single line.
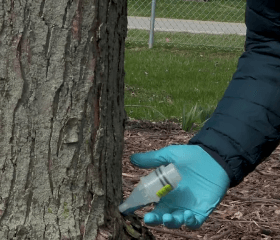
[[61, 119]]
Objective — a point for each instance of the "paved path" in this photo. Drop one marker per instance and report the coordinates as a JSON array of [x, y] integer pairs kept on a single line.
[[190, 26]]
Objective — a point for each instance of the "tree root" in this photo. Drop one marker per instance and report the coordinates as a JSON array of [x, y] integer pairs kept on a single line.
[[135, 230]]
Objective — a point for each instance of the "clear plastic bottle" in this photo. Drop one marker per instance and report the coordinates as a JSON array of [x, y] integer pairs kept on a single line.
[[151, 188]]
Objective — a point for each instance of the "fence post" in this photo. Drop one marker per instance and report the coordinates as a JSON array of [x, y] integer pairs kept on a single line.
[[152, 25]]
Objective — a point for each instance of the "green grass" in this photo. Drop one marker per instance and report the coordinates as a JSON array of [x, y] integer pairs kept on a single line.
[[161, 82], [228, 42], [214, 10]]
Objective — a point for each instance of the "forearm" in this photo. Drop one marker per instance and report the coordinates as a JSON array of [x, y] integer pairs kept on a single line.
[[244, 129]]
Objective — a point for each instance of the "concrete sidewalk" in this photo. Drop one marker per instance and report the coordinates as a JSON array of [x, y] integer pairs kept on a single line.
[[188, 26]]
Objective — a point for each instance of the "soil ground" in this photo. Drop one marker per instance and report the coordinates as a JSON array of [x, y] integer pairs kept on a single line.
[[250, 210]]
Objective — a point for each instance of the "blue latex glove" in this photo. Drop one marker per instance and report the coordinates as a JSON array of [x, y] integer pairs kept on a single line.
[[204, 184]]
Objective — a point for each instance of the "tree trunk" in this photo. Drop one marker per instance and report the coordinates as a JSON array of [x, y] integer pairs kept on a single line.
[[61, 119]]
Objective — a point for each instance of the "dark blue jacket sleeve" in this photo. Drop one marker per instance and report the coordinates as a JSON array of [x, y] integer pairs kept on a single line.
[[245, 127]]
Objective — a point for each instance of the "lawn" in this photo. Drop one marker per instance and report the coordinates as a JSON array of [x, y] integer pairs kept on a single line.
[[214, 10], [161, 82], [172, 39]]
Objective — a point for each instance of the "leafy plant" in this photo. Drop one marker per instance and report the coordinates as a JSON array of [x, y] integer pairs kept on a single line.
[[196, 117], [190, 118], [206, 112]]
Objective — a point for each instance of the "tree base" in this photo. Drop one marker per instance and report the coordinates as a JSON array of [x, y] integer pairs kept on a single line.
[[134, 229]]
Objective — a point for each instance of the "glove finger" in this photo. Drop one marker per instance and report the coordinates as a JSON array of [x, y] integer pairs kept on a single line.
[[174, 220], [193, 221], [151, 159], [154, 217]]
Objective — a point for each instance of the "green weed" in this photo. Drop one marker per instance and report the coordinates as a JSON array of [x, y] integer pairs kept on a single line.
[[196, 117]]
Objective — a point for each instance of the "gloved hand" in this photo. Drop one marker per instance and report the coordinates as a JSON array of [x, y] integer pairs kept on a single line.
[[204, 184]]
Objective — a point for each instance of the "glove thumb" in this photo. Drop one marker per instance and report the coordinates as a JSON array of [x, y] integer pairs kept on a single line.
[[151, 159]]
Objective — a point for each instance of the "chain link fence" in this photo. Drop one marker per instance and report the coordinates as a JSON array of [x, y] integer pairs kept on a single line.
[[195, 23]]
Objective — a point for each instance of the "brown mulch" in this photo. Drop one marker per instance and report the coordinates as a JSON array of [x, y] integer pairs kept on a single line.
[[249, 211]]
